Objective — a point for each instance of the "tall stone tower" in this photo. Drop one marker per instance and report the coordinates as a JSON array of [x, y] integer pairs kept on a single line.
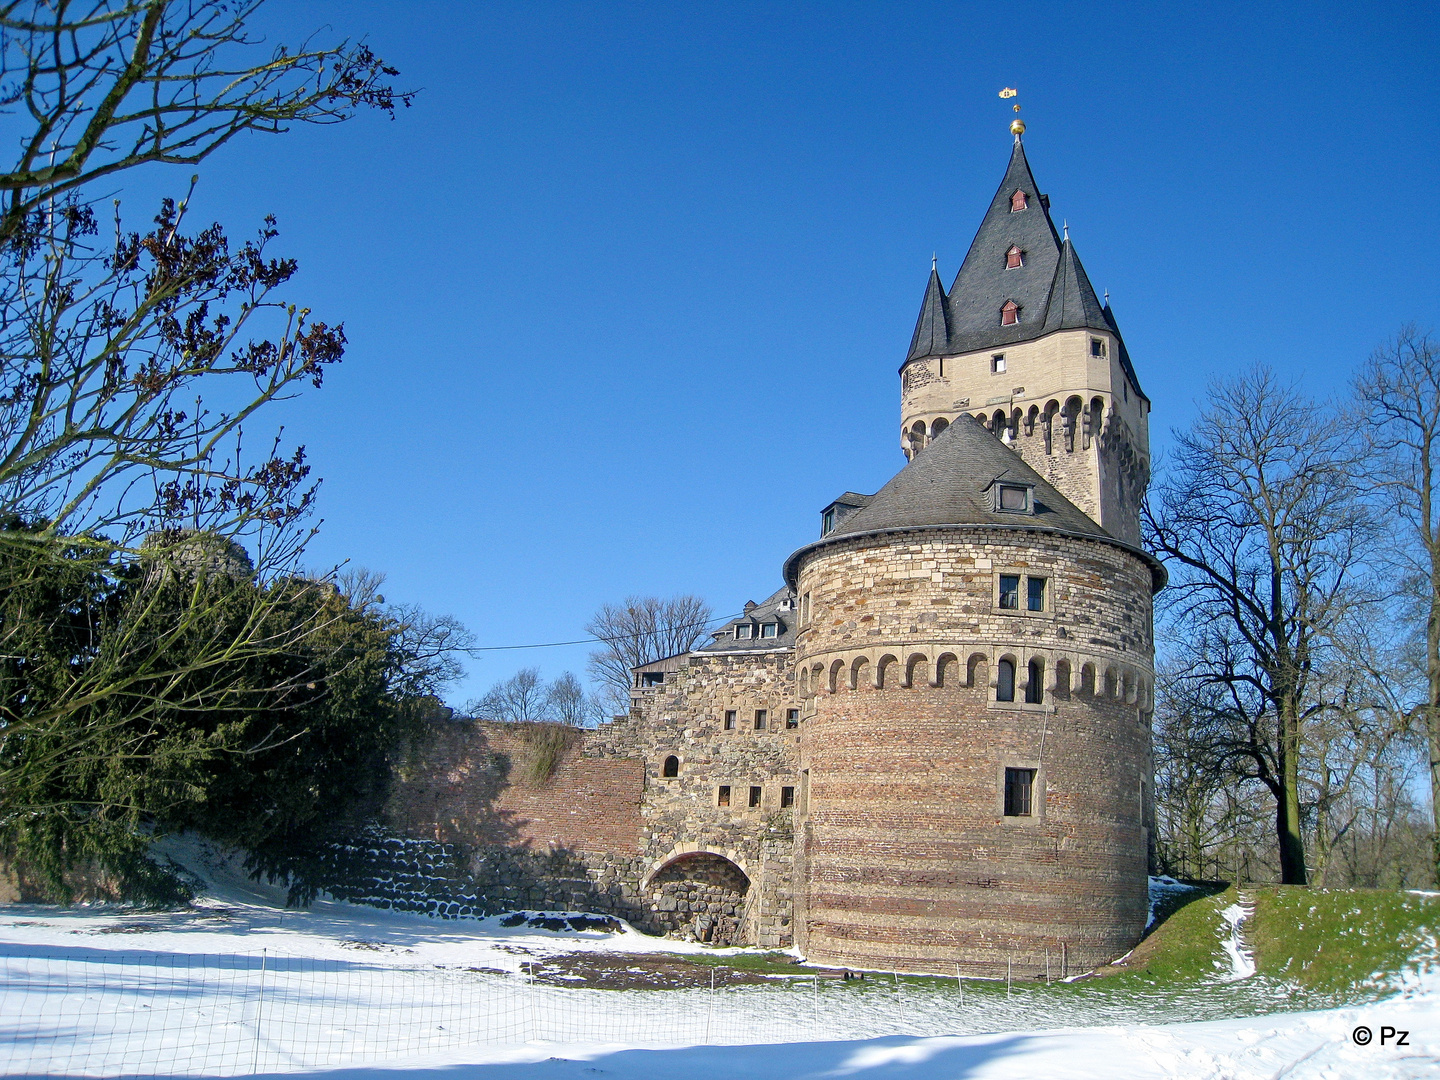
[[974, 657], [1022, 343]]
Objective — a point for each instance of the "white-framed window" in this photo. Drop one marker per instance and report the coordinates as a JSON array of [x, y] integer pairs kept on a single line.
[[769, 629]]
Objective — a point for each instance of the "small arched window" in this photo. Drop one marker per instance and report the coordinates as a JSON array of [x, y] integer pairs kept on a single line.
[[1010, 313], [1019, 201], [1005, 681], [1014, 258], [671, 766], [1035, 688]]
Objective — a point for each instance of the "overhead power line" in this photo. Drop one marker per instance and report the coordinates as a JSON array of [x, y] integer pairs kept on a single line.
[[582, 641]]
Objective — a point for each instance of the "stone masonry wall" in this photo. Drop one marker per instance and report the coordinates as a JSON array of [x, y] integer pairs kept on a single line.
[[1104, 473], [908, 857], [685, 718]]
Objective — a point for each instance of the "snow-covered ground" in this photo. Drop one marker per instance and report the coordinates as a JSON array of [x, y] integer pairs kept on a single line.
[[238, 985]]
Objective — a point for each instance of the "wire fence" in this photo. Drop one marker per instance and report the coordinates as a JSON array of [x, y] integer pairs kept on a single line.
[[99, 1013], [109, 1014]]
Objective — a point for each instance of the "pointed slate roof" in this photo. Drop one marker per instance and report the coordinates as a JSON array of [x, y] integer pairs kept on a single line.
[[983, 284], [1073, 303], [932, 332], [951, 484], [1050, 287]]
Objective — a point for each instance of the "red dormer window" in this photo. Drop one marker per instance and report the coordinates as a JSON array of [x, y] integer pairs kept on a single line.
[[1019, 201], [1010, 313], [1014, 258]]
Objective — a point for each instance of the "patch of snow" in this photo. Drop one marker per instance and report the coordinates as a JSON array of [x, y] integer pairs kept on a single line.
[[1242, 963]]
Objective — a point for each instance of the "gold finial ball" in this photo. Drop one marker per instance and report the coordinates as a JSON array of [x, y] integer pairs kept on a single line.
[[1017, 126]]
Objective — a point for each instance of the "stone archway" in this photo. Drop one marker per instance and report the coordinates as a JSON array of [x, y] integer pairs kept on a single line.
[[699, 893]]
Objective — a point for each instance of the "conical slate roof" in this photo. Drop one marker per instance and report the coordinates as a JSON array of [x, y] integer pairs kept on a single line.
[[1050, 286], [983, 284], [1073, 303], [932, 332], [952, 483]]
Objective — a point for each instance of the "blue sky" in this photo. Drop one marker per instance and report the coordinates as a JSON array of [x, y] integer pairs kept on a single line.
[[627, 288]]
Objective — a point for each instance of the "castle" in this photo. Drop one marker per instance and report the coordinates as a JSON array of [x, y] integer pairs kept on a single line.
[[929, 751]]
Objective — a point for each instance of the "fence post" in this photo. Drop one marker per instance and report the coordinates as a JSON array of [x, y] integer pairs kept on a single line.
[[1009, 960], [815, 997], [710, 1007], [259, 1014], [960, 984]]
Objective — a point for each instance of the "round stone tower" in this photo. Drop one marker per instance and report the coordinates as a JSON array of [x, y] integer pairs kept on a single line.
[[975, 670]]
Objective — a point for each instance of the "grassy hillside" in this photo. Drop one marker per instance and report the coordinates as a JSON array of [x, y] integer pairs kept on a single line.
[[1339, 940], [1333, 942]]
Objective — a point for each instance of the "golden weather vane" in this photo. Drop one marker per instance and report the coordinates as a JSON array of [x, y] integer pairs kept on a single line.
[[1017, 126]]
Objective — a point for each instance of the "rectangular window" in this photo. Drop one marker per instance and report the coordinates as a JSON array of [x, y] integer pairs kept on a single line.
[[729, 719], [1018, 786], [997, 364], [1097, 346], [742, 632], [827, 522], [1010, 592], [769, 629], [1035, 593], [792, 718], [754, 797], [723, 799], [761, 720], [652, 678], [787, 797], [805, 609], [1013, 497]]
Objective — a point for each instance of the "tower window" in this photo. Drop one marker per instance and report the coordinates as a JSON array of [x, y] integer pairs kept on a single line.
[[1018, 201], [754, 796], [787, 797], [761, 721], [671, 767], [1035, 687], [1005, 681], [997, 364], [1010, 313], [1010, 591], [1097, 346], [729, 719], [723, 798], [1035, 593], [827, 522], [792, 718], [1019, 786], [1014, 258]]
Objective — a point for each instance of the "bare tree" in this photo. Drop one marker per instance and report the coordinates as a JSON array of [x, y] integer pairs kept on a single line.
[[569, 703], [641, 630], [108, 85], [1260, 520], [1401, 387], [522, 698]]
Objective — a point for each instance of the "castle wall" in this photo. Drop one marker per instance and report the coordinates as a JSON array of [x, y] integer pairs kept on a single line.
[[472, 829], [909, 860], [686, 718]]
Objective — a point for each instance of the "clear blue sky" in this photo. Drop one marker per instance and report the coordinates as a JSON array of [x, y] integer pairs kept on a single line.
[[628, 287]]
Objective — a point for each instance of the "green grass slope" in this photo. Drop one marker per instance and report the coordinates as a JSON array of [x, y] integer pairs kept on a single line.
[[1339, 941]]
